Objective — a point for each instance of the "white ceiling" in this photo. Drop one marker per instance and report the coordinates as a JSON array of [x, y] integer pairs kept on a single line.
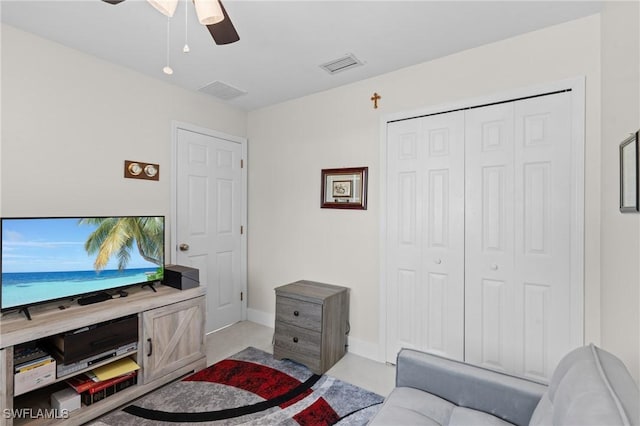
[[282, 43]]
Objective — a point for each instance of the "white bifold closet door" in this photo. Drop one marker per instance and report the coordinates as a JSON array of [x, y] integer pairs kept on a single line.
[[479, 245], [517, 239], [425, 263]]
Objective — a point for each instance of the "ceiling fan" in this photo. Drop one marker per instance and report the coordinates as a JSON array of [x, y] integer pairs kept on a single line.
[[211, 13]]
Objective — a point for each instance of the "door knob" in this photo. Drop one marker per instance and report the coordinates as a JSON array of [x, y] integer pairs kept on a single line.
[[438, 261], [183, 247], [494, 267]]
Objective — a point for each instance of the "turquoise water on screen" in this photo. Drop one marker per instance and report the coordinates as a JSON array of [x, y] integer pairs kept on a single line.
[[23, 288]]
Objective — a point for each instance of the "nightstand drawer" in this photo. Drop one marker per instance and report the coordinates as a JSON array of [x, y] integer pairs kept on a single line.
[[299, 313], [297, 339]]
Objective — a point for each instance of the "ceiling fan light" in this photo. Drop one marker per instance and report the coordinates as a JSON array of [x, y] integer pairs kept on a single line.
[[209, 11], [166, 7]]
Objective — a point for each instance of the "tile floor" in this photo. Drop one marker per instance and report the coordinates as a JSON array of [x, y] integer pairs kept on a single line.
[[371, 375]]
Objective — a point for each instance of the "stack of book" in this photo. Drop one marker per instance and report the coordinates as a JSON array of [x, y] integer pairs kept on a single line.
[[27, 358], [33, 368], [105, 381]]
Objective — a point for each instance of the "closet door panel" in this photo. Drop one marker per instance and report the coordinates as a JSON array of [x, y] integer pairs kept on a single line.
[[543, 231], [489, 289], [518, 242], [426, 235], [443, 233], [403, 230]]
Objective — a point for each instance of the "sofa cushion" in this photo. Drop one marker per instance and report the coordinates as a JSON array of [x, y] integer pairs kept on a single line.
[[589, 387], [461, 416], [409, 406], [512, 399]]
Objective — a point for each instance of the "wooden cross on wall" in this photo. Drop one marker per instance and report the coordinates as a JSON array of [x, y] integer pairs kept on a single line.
[[375, 98]]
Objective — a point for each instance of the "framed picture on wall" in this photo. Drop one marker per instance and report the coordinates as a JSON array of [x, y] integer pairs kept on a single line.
[[344, 188], [629, 175]]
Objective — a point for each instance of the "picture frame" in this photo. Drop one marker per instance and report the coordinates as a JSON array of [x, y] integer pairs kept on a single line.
[[629, 174], [344, 188]]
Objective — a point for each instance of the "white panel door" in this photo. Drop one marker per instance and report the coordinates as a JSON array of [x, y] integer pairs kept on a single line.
[[425, 251], [543, 239], [209, 208], [518, 235], [489, 264]]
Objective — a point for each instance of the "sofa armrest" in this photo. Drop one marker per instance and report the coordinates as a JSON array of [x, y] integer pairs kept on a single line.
[[511, 398]]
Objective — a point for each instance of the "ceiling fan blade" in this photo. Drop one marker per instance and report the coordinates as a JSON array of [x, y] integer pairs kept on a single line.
[[223, 32], [113, 1]]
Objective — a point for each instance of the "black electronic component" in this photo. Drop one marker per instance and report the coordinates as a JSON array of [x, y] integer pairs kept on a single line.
[[94, 298]]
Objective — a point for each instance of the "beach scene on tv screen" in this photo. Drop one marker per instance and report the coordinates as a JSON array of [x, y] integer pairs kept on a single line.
[[53, 258]]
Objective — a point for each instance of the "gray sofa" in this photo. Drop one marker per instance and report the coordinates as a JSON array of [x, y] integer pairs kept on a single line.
[[589, 387]]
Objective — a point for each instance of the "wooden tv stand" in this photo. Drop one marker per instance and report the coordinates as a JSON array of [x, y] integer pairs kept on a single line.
[[171, 344]]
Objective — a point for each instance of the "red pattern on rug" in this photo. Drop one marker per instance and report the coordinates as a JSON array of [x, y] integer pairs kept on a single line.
[[265, 382], [319, 413]]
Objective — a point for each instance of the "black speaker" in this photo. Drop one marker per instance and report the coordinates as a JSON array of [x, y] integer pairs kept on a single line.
[[181, 277]]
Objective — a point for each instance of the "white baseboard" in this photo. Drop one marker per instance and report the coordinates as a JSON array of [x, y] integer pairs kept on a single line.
[[363, 348], [356, 346], [260, 317]]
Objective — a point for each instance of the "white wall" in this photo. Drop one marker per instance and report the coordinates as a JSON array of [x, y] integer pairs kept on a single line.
[[620, 282], [291, 238], [69, 120]]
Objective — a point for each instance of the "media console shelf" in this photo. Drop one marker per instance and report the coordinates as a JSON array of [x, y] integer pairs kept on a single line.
[[171, 325]]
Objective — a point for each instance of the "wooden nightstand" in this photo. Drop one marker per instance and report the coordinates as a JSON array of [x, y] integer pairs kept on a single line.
[[311, 324]]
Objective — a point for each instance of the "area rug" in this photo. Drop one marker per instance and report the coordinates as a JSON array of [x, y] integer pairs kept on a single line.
[[251, 388]]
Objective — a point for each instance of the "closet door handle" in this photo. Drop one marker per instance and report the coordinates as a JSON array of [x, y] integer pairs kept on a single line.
[[494, 267], [437, 261], [150, 347]]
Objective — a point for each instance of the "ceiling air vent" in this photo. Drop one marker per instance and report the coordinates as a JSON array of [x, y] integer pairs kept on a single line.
[[222, 90], [341, 64]]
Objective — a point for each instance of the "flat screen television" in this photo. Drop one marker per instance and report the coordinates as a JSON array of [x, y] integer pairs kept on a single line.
[[52, 258]]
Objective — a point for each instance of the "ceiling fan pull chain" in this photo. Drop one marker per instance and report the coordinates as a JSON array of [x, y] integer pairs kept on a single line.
[[186, 49], [167, 69]]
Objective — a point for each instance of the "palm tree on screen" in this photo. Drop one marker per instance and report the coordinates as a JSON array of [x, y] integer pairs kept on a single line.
[[116, 236]]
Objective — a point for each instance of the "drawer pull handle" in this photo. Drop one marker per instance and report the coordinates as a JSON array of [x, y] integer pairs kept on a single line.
[[296, 313], [295, 340]]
